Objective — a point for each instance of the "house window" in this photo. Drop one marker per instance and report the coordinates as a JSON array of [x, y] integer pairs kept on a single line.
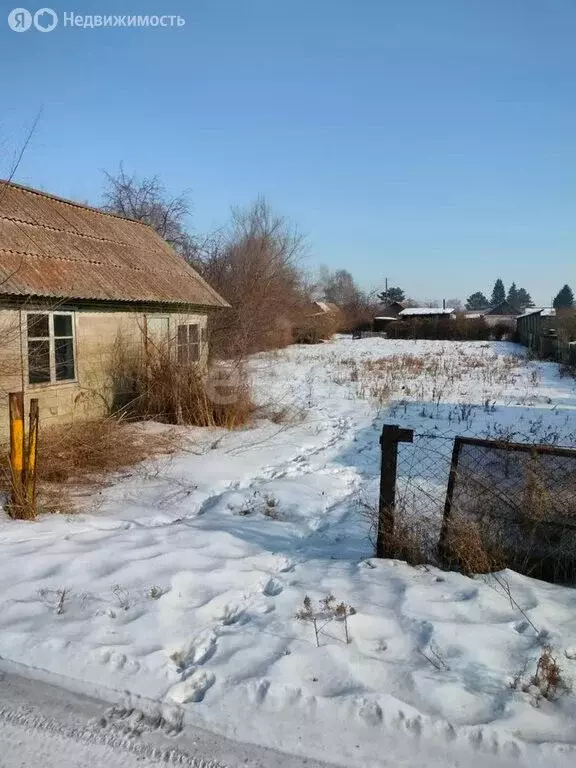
[[188, 344], [50, 347]]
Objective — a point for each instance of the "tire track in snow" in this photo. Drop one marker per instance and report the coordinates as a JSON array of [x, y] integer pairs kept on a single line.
[[93, 735], [83, 731]]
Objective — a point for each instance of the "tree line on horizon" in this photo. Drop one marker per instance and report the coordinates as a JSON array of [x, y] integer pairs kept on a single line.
[[518, 298], [256, 262]]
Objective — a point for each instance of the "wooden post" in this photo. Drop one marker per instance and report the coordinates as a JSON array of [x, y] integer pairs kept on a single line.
[[31, 456], [16, 408], [391, 436]]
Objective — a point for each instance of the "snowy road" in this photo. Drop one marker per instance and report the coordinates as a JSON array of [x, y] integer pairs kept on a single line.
[[41, 724]]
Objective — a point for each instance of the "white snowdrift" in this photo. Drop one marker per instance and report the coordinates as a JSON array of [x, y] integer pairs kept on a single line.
[[182, 584]]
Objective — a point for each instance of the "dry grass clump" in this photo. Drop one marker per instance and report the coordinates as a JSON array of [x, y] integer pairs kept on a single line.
[[82, 454], [159, 388], [81, 451], [468, 547], [413, 536], [411, 541]]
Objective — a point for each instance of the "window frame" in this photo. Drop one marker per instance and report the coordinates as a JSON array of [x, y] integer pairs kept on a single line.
[[52, 339], [188, 345]]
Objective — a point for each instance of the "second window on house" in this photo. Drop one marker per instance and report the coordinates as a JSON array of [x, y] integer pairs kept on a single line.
[[188, 344], [50, 347]]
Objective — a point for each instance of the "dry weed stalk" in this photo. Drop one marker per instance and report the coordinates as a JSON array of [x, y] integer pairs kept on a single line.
[[547, 682], [326, 612]]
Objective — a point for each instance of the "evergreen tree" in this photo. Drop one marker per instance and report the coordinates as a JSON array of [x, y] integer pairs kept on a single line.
[[512, 297], [524, 300], [394, 294], [564, 299], [477, 301], [498, 293]]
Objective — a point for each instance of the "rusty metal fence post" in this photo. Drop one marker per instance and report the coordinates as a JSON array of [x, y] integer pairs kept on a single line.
[[391, 436]]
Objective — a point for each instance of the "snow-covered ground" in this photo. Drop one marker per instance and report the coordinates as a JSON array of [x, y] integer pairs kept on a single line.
[[180, 583]]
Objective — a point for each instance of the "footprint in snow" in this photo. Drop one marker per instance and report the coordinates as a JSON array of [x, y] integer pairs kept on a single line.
[[231, 613], [370, 712], [258, 690], [116, 661], [521, 627], [199, 650], [193, 688], [272, 588]]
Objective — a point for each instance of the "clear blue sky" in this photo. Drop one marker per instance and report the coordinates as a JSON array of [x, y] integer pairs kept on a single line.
[[432, 141]]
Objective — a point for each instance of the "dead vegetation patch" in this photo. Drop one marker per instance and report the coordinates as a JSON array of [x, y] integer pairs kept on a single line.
[[85, 454], [428, 378], [155, 386]]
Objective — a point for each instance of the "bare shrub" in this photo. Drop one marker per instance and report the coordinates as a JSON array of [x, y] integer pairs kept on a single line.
[[255, 266], [357, 307], [453, 329], [157, 387], [316, 327]]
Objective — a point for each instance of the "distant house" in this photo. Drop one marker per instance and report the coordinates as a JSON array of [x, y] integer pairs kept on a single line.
[[73, 281], [391, 309], [326, 308], [386, 315], [502, 314]]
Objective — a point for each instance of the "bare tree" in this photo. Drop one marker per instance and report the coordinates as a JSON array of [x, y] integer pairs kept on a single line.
[[146, 199], [357, 305], [255, 265]]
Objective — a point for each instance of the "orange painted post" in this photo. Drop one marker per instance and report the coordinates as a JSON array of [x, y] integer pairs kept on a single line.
[[16, 407], [31, 457]]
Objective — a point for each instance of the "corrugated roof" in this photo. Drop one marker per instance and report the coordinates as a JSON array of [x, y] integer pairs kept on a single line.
[[55, 248], [327, 307], [415, 311], [544, 311]]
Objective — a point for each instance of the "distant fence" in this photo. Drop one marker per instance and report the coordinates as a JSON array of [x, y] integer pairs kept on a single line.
[[516, 500], [369, 334]]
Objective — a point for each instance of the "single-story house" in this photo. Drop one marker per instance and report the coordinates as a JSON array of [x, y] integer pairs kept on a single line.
[[391, 309], [427, 313], [326, 308], [387, 314], [502, 314], [74, 283]]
